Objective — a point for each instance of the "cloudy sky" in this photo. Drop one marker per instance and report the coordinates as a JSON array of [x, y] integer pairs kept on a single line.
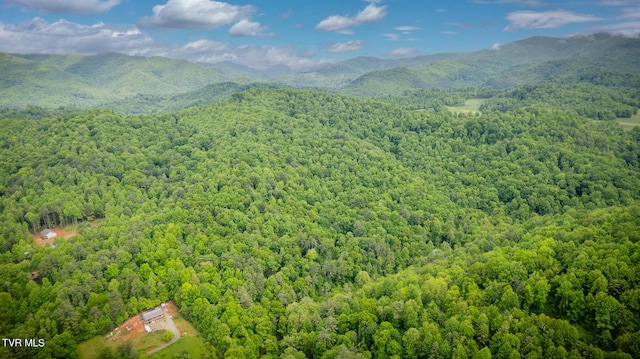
[[297, 33]]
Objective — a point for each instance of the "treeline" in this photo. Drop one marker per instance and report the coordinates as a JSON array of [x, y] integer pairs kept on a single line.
[[299, 224]]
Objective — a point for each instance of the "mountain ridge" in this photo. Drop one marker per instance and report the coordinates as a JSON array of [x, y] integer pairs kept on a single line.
[[77, 80]]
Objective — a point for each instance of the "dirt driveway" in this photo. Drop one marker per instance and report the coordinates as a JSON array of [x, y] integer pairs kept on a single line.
[[165, 324]]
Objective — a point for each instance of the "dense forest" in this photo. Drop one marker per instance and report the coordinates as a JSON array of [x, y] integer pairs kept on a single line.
[[300, 224]]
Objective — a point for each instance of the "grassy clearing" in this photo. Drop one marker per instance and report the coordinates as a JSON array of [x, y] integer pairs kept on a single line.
[[190, 340], [470, 106], [196, 346], [629, 123], [91, 348]]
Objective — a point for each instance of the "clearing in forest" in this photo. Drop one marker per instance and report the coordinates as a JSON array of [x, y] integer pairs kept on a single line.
[[132, 330], [470, 106], [66, 232], [629, 123]]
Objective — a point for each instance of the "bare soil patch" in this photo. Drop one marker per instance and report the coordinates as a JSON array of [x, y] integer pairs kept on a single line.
[[60, 232], [65, 233], [127, 330]]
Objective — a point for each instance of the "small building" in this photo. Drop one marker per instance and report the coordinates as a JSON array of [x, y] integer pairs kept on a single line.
[[47, 234], [153, 315]]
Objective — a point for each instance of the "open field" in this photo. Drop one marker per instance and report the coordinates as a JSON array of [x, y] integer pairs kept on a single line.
[[630, 123], [470, 106]]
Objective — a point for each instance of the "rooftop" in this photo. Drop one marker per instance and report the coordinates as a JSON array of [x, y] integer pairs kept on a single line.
[[153, 313]]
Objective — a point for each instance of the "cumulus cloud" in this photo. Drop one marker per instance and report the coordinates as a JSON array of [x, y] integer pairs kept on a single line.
[[402, 53], [335, 23], [196, 14], [248, 28], [39, 36], [82, 7], [371, 13], [348, 46], [545, 19], [61, 37]]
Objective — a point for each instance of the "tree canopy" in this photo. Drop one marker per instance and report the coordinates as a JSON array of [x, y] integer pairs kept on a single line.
[[290, 223]]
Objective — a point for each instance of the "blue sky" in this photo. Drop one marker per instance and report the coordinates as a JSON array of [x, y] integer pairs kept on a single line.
[[297, 33]]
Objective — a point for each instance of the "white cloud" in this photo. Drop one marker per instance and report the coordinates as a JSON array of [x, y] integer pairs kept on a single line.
[[248, 28], [545, 20], [335, 23], [345, 32], [348, 46], [407, 28], [402, 53], [204, 46], [371, 13], [496, 46], [66, 6], [39, 36], [196, 14], [61, 37], [449, 33], [405, 31]]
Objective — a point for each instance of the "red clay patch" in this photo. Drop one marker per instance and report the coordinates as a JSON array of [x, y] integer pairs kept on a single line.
[[129, 329], [60, 232]]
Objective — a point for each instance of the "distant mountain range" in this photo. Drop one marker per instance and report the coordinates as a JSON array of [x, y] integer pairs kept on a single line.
[[111, 78]]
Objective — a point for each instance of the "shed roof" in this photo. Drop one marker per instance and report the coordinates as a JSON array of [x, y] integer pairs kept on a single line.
[[47, 231], [152, 314]]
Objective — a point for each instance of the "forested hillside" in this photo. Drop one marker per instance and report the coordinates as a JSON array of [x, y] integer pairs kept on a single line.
[[299, 224]]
